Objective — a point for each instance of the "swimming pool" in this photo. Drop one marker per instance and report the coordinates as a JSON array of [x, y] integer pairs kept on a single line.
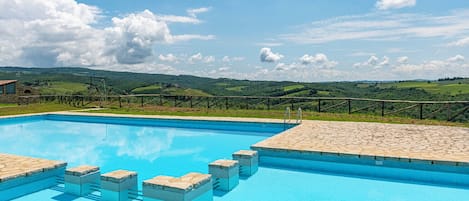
[[149, 146], [174, 147]]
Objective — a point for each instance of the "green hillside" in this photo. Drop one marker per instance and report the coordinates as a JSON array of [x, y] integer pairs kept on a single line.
[[96, 82], [83, 81], [59, 87]]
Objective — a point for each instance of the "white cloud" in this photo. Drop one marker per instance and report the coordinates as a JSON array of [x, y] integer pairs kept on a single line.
[[61, 33], [178, 19], [403, 59], [186, 37], [194, 12], [209, 59], [266, 55], [373, 62], [460, 43], [381, 26], [451, 67], [200, 58], [385, 61], [195, 57], [168, 58], [457, 58], [319, 60], [394, 4], [223, 69], [134, 36], [228, 59]]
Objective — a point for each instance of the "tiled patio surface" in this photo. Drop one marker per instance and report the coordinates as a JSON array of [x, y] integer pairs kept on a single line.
[[434, 143], [13, 166]]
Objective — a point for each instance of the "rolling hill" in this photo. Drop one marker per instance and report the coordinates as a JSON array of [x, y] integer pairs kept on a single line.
[[83, 81]]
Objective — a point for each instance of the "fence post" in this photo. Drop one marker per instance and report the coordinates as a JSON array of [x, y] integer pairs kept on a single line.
[[319, 105], [382, 108], [448, 112], [247, 103], [141, 101], [120, 102], [226, 103], [161, 100], [349, 106], [190, 98], [268, 103], [421, 111], [208, 103]]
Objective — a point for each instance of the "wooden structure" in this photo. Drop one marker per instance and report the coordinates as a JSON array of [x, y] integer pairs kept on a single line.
[[448, 110], [8, 87]]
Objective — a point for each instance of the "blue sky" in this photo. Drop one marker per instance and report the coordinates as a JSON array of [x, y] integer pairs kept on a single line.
[[302, 40]]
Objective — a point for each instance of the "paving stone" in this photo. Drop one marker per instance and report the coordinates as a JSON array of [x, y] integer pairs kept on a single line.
[[400, 141]]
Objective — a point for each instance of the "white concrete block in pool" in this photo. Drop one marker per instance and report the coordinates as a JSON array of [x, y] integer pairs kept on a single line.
[[116, 185], [78, 180], [225, 174], [190, 187], [248, 162]]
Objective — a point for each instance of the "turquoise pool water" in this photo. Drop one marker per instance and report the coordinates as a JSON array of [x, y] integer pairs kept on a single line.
[[173, 147]]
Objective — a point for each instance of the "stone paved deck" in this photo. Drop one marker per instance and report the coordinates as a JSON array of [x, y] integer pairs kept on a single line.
[[435, 143], [13, 166]]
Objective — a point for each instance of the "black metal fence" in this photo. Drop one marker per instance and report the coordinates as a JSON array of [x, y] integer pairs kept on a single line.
[[442, 110]]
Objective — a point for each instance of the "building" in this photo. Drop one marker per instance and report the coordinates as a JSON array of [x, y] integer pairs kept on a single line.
[[8, 87]]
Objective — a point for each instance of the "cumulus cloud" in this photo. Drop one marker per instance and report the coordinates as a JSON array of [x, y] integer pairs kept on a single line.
[[134, 36], [453, 66], [319, 59], [200, 58], [266, 55], [61, 33], [394, 4], [460, 43], [168, 58], [384, 62], [457, 58], [209, 59], [403, 59], [373, 62]]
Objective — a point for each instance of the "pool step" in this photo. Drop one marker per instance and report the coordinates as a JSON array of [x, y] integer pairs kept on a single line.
[[226, 174], [121, 185]]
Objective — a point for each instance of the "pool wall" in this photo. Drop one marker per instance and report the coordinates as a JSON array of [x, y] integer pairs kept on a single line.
[[412, 170], [265, 129], [30, 182]]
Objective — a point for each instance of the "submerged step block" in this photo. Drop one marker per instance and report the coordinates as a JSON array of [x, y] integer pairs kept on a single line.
[[190, 187], [225, 174], [248, 162], [116, 185], [78, 180]]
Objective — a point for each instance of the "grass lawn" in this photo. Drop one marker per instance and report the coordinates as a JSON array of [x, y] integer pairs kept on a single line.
[[7, 105], [432, 87], [275, 114], [292, 87], [63, 88], [237, 88], [34, 108], [184, 92], [148, 89]]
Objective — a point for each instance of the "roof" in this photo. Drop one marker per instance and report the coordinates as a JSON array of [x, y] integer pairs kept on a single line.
[[3, 82]]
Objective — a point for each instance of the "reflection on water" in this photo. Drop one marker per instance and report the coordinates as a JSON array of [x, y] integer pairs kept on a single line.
[[149, 150]]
